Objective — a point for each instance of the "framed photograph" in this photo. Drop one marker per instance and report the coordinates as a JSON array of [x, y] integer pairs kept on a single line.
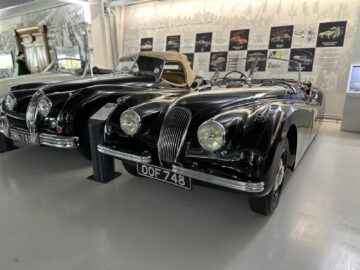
[[239, 40], [146, 44], [281, 37], [218, 61], [6, 60], [173, 43], [305, 57], [203, 42], [354, 79], [251, 57], [190, 57], [331, 34]]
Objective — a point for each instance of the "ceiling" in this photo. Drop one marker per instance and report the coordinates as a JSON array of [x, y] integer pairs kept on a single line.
[[11, 3], [11, 8]]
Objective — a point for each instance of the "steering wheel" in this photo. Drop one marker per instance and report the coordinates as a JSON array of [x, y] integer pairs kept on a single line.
[[235, 71]]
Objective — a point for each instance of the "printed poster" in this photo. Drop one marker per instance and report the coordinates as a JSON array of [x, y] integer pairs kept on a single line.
[[203, 42], [331, 34], [173, 43], [239, 40], [146, 44], [218, 61], [281, 37]]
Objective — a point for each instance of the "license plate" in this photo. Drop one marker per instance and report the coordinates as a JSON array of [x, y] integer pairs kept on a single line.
[[164, 175], [20, 137]]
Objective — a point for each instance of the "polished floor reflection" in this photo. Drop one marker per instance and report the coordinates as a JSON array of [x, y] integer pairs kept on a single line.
[[51, 217]]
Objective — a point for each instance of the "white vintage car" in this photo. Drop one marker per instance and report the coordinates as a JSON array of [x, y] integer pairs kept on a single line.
[[64, 69]]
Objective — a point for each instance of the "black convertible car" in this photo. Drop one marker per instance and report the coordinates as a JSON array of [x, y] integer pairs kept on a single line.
[[57, 115], [242, 135]]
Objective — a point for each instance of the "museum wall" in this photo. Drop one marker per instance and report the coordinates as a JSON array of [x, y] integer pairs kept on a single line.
[[306, 19], [65, 24]]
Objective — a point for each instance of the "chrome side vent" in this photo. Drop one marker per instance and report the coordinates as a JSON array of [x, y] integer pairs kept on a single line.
[[172, 135], [32, 111]]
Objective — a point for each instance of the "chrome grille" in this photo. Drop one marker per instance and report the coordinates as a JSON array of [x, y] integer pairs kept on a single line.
[[32, 111], [172, 135]]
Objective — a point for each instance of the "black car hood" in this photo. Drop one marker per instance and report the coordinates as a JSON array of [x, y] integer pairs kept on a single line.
[[83, 83], [23, 93], [213, 101]]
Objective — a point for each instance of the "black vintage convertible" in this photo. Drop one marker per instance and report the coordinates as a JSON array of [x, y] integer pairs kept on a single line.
[[57, 115], [241, 135]]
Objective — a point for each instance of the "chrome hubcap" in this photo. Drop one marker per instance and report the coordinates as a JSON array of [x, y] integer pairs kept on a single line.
[[280, 174]]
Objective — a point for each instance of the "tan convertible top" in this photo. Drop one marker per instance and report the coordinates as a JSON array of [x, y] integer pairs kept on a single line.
[[175, 57]]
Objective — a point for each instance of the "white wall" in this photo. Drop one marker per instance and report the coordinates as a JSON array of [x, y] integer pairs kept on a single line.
[[188, 17]]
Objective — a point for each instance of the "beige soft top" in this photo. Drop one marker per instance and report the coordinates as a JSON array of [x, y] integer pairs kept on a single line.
[[175, 57]]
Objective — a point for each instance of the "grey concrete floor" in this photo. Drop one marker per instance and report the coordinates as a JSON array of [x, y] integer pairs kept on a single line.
[[51, 217]]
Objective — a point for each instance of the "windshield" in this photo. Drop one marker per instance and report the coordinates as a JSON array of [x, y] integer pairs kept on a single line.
[[258, 67], [67, 65], [125, 64], [141, 65]]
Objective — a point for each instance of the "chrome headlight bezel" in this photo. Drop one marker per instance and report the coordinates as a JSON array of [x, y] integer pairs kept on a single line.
[[44, 106], [218, 130], [10, 101], [130, 116]]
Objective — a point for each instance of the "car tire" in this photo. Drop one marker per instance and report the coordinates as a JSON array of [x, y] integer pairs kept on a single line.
[[130, 167], [267, 204]]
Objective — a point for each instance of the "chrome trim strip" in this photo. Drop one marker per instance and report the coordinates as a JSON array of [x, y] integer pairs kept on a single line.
[[221, 181], [124, 156], [59, 141]]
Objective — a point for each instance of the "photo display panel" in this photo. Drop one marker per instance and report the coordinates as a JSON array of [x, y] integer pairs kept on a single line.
[[305, 57], [239, 40], [251, 57], [146, 44], [173, 43], [281, 37], [218, 61], [331, 34], [203, 42]]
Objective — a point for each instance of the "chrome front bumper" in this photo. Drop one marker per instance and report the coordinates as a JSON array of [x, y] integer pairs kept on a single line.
[[146, 159], [249, 187], [65, 142], [25, 136], [221, 181]]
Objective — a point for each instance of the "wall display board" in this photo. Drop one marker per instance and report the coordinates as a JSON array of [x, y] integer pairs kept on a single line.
[[218, 61], [6, 60], [239, 40], [251, 57], [146, 44], [269, 23], [331, 34], [173, 43], [281, 37], [305, 57], [190, 57], [203, 42], [354, 79]]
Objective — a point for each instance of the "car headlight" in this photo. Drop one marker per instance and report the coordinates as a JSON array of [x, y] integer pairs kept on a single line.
[[44, 106], [130, 122], [10, 101], [211, 135]]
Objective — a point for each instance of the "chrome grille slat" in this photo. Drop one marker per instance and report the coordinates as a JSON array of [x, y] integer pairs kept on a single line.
[[32, 111], [172, 134]]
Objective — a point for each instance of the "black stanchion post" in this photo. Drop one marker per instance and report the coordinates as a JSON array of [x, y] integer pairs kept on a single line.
[[103, 165], [6, 144]]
